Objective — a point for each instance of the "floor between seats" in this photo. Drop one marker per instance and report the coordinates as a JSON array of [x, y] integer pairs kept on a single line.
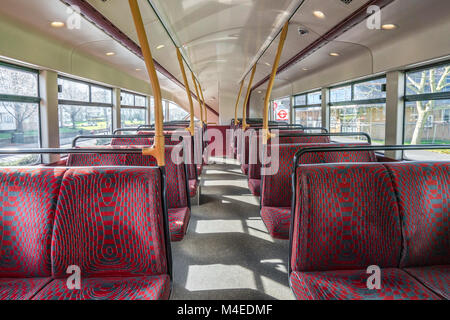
[[227, 252]]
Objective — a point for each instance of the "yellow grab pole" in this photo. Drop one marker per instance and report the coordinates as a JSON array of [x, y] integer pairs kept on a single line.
[[204, 105], [198, 97], [247, 96], [266, 133], [157, 150], [236, 122], [191, 128]]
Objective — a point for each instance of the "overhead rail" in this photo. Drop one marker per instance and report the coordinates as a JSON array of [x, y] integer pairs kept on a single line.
[[266, 133], [335, 134], [191, 128], [157, 150]]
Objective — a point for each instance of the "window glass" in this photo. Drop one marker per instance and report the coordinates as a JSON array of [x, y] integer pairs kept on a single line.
[[141, 101], [177, 113], [431, 80], [372, 89], [369, 118], [73, 90], [127, 99], [341, 94], [17, 82], [152, 110], [309, 116], [315, 97], [300, 100], [132, 117], [19, 120], [101, 95]]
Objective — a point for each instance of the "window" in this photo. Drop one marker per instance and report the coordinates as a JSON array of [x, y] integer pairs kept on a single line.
[[359, 107], [84, 109], [427, 111], [176, 113], [19, 113], [308, 109], [133, 110], [281, 109]]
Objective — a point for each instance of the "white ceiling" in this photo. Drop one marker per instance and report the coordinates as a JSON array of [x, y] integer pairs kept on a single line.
[[220, 38]]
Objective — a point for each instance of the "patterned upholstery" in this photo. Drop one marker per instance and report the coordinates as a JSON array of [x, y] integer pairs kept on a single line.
[[193, 184], [133, 288], [423, 194], [178, 222], [340, 223], [352, 285], [304, 139], [255, 186], [117, 230], [132, 141], [437, 278], [21, 289], [277, 221], [28, 200], [95, 159]]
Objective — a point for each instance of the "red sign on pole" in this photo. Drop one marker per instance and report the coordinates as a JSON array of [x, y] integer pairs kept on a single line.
[[282, 115]]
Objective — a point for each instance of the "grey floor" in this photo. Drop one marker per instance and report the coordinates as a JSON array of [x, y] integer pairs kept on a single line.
[[227, 252]]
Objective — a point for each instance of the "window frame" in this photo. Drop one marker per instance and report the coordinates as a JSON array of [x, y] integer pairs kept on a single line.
[[134, 106], [26, 99]]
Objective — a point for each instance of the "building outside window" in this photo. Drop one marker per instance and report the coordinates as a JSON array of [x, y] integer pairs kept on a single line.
[[427, 110], [359, 107], [133, 110], [308, 109], [84, 109], [19, 113], [176, 113]]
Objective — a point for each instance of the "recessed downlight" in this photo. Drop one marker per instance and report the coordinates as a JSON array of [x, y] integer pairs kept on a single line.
[[259, 91], [267, 64], [305, 69], [57, 24], [138, 69], [334, 54], [109, 54], [319, 14], [161, 46], [389, 26]]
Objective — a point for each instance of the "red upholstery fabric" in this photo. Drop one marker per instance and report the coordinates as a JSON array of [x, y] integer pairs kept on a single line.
[[340, 223], [131, 141], [423, 194], [21, 289], [304, 139], [133, 288], [437, 278], [352, 285], [178, 222], [117, 230], [255, 186], [28, 199], [193, 184], [277, 221]]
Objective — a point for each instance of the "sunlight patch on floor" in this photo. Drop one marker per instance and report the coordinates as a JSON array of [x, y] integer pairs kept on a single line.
[[219, 277], [219, 226], [243, 198]]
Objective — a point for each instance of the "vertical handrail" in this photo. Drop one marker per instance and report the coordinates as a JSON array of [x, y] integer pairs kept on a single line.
[[198, 97], [204, 105], [157, 150], [236, 121], [266, 133], [247, 96], [191, 128]]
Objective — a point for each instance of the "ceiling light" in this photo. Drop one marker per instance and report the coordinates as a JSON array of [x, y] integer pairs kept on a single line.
[[57, 24], [305, 69], [137, 69], [259, 91], [110, 54], [334, 54], [160, 46], [267, 64], [389, 26], [319, 14]]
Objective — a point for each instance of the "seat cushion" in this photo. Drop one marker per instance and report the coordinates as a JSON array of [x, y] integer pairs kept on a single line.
[[21, 289], [244, 169], [255, 186], [199, 169], [277, 221], [352, 285], [28, 199], [193, 184], [423, 196], [178, 222], [437, 278], [135, 288]]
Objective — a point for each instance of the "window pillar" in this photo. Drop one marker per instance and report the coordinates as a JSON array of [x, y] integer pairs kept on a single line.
[[395, 89], [149, 110], [326, 108], [117, 122], [48, 87]]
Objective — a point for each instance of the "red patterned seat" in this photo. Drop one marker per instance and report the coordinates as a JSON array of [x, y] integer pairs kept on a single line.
[[277, 221], [115, 236], [28, 199], [348, 217]]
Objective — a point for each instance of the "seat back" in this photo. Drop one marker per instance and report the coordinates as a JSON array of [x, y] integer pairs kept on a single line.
[[109, 222], [346, 217], [96, 159], [28, 199], [423, 195]]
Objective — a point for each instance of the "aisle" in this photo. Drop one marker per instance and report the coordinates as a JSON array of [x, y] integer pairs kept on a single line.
[[227, 253]]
